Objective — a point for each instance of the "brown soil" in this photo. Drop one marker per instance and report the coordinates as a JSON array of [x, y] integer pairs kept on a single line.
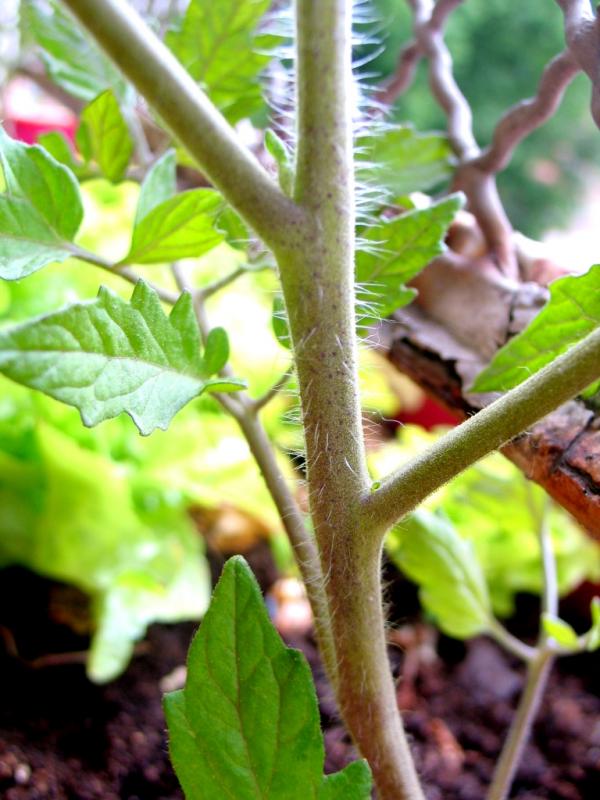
[[63, 739]]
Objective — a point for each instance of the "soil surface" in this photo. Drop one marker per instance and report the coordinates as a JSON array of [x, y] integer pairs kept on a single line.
[[62, 738]]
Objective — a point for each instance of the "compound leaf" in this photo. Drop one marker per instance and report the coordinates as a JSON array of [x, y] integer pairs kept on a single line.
[[216, 43], [246, 725], [180, 227], [452, 587], [107, 356], [572, 312], [103, 136]]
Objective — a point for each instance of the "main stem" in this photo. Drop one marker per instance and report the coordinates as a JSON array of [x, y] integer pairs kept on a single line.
[[317, 272]]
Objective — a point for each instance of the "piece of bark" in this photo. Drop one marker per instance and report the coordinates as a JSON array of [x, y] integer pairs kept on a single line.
[[561, 452]]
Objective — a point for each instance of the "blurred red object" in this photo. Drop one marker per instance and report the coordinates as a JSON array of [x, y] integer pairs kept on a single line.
[[428, 415], [30, 112]]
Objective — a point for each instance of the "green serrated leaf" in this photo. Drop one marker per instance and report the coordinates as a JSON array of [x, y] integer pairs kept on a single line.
[[217, 44], [56, 143], [107, 356], [394, 251], [247, 723], [559, 630], [401, 160], [452, 587], [103, 136], [180, 227], [40, 213], [49, 187], [72, 59], [572, 312], [27, 243], [159, 185], [352, 783], [277, 148], [216, 351]]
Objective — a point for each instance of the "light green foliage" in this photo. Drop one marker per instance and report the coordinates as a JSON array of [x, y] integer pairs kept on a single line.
[[40, 212], [84, 509], [352, 783], [280, 323], [179, 227], [572, 312], [499, 512], [55, 143], [103, 136], [452, 587], [107, 356], [394, 251], [72, 59], [560, 631], [247, 723], [400, 160], [217, 43], [278, 149], [216, 351], [593, 636], [159, 185]]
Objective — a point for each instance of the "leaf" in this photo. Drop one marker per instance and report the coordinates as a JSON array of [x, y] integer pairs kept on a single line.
[[26, 242], [428, 549], [107, 356], [401, 160], [593, 635], [559, 630], [216, 351], [496, 510], [70, 512], [572, 312], [72, 59], [278, 149], [103, 136], [216, 43], [57, 144], [180, 227], [40, 212], [246, 725], [352, 783], [394, 251], [159, 185], [279, 322], [32, 174]]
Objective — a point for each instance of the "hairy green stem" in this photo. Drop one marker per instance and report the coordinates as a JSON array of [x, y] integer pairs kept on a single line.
[[317, 273], [187, 112], [520, 731], [487, 430]]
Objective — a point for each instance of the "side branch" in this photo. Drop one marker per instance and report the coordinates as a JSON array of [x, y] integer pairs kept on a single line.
[[524, 117], [488, 430], [429, 33], [582, 32], [185, 109]]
